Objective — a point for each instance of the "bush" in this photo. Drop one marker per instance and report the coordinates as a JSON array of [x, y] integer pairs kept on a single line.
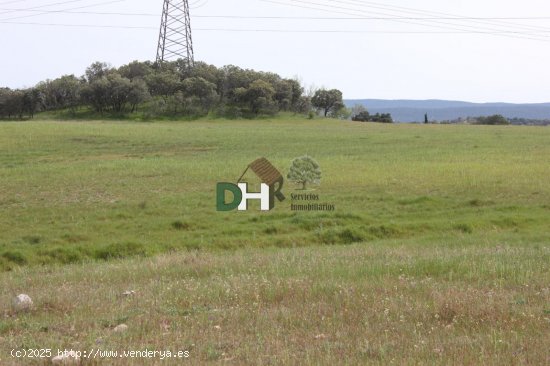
[[15, 257], [494, 120], [365, 116], [119, 251], [342, 236], [64, 255]]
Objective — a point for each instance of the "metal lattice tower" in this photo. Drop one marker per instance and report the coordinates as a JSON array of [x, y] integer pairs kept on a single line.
[[175, 40]]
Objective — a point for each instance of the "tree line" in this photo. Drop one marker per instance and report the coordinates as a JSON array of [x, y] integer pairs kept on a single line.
[[170, 89]]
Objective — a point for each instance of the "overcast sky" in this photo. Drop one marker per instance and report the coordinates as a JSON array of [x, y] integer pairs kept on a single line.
[[365, 58]]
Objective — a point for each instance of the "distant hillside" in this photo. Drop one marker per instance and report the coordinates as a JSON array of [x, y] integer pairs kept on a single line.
[[414, 110]]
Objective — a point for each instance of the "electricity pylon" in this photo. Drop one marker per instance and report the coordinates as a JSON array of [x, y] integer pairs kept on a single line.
[[175, 40]]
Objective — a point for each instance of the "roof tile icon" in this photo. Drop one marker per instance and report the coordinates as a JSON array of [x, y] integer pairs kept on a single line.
[[268, 174]]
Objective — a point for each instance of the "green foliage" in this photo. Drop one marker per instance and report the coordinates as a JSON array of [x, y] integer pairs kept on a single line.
[[328, 101], [257, 98], [304, 170], [167, 90], [365, 116], [123, 250], [496, 119], [15, 257], [342, 113], [341, 236]]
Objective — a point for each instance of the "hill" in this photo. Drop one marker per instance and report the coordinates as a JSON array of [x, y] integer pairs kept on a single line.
[[440, 110]]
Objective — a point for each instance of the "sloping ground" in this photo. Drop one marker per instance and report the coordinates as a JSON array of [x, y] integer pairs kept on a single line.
[[72, 192], [437, 253]]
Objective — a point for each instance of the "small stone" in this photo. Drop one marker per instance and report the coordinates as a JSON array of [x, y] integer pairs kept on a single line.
[[217, 327], [22, 302], [128, 293], [67, 358], [120, 328], [321, 336]]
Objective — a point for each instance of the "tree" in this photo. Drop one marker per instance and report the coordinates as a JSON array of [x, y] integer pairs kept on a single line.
[[97, 70], [496, 119], [357, 109], [426, 120], [31, 101], [287, 94], [258, 97], [328, 100], [201, 89], [363, 116], [119, 91], [138, 93], [4, 92], [304, 170], [15, 104], [174, 88], [163, 84], [303, 105], [136, 70], [96, 94]]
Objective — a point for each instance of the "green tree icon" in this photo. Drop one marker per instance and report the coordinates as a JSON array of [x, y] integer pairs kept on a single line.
[[304, 170]]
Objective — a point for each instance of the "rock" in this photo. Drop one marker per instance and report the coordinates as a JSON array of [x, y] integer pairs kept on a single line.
[[67, 358], [22, 302], [120, 328], [128, 293]]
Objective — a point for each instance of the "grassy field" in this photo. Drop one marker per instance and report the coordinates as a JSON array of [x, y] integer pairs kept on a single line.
[[438, 251]]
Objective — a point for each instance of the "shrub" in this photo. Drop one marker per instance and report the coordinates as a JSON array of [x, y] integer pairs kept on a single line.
[[496, 119], [365, 116], [118, 251], [15, 257]]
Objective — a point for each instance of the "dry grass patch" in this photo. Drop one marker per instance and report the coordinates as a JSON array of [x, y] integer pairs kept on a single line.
[[286, 306]]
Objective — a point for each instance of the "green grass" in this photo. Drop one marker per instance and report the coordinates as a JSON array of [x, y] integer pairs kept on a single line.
[[438, 251], [458, 303], [73, 192]]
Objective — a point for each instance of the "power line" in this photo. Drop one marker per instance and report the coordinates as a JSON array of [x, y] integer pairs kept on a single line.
[[46, 5], [356, 15], [41, 12], [261, 30], [280, 17], [376, 5], [436, 24], [331, 9], [10, 2], [357, 12]]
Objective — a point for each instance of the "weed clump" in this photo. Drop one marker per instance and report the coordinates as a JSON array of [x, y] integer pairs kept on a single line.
[[180, 225], [464, 228], [119, 251], [342, 236], [15, 257]]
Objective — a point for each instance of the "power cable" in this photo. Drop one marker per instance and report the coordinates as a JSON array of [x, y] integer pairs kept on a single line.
[[357, 12]]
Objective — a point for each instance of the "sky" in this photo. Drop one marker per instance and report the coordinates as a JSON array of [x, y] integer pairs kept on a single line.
[[390, 50]]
